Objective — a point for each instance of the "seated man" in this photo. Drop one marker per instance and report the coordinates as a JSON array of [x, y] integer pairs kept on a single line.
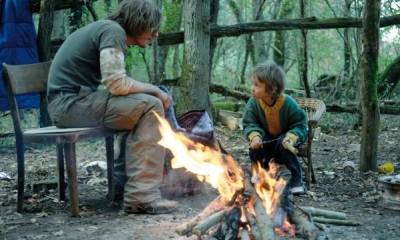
[[94, 55]]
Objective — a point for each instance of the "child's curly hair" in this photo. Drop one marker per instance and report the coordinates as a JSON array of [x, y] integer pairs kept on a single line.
[[272, 75]]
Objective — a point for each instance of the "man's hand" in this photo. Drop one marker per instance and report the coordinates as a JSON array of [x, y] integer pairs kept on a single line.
[[256, 142], [165, 98], [289, 141]]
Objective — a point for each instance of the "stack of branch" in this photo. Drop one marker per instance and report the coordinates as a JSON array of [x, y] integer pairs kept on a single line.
[[244, 217], [319, 215]]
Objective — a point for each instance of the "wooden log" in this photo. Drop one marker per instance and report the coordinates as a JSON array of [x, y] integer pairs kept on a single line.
[[244, 235], [335, 221], [60, 4], [205, 224], [283, 24], [303, 225], [251, 220], [229, 228], [264, 223], [324, 213], [216, 205]]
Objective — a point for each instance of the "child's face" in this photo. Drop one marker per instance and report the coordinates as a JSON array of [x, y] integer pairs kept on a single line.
[[260, 90]]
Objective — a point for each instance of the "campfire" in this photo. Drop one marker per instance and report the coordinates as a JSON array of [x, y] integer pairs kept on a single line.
[[252, 203]]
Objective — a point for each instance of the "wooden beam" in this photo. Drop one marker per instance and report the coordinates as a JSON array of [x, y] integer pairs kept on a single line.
[[286, 24]]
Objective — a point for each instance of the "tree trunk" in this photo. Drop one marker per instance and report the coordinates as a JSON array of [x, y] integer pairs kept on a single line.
[[260, 54], [346, 43], [369, 95], [389, 79], [280, 36], [172, 22], [76, 16], [195, 77], [214, 10], [249, 48], [303, 55], [45, 28]]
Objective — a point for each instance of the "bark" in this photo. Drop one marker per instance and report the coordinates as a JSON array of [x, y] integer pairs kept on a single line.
[[287, 24], [260, 53], [249, 51], [45, 28], [75, 18], [389, 79], [346, 42], [195, 77], [280, 36], [369, 94], [303, 54]]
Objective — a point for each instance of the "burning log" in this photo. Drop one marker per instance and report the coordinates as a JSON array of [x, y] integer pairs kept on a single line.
[[215, 206], [229, 228], [203, 226], [264, 223]]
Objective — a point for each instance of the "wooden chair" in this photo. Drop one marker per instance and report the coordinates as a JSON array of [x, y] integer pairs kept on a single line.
[[20, 79], [314, 109]]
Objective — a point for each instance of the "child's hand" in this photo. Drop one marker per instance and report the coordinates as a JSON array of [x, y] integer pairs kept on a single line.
[[256, 142], [289, 141]]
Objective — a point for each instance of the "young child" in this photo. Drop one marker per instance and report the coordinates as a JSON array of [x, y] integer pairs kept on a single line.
[[274, 123]]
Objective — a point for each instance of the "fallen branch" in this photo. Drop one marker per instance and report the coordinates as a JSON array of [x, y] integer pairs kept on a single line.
[[324, 213], [335, 221]]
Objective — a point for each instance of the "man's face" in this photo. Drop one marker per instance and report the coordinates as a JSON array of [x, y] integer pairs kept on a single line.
[[142, 40], [260, 90]]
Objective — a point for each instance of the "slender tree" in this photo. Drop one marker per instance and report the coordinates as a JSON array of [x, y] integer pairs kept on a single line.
[[369, 94], [195, 77], [303, 53]]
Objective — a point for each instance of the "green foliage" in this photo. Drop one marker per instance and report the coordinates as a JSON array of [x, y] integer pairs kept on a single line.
[[172, 14]]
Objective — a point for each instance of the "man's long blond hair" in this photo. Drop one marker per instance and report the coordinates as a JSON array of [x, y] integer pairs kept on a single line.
[[137, 16]]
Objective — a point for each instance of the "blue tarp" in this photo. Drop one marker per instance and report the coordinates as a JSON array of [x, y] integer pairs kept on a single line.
[[17, 45]]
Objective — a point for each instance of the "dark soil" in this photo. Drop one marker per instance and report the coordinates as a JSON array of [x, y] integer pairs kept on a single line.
[[356, 194]]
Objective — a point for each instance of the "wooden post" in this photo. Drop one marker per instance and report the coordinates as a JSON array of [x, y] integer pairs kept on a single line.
[[369, 93], [195, 78]]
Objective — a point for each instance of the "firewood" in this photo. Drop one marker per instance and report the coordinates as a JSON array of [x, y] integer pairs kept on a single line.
[[303, 225], [229, 228], [244, 235], [251, 220], [215, 206], [324, 213], [205, 224], [264, 223], [335, 221]]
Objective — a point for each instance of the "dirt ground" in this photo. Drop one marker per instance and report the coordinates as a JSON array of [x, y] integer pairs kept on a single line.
[[355, 194]]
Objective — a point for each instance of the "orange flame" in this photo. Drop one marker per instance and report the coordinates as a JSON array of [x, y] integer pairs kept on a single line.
[[211, 166], [268, 188]]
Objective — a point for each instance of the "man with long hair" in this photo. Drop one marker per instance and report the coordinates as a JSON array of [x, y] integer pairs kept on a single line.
[[95, 55]]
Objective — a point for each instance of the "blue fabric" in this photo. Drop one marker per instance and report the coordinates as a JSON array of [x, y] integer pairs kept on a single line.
[[17, 46]]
